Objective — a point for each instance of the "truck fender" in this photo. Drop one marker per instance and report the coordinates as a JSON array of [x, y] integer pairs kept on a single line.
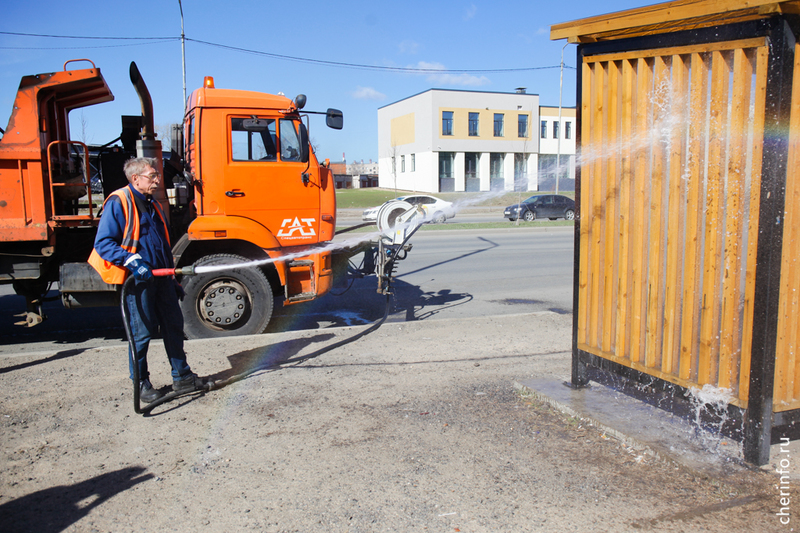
[[221, 227]]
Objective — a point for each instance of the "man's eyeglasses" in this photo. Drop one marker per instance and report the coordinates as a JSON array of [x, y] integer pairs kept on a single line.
[[151, 176]]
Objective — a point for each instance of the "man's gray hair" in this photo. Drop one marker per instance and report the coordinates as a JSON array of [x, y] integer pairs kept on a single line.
[[137, 165]]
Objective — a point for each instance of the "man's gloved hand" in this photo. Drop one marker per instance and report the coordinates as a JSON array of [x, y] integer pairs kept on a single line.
[[179, 290], [138, 267]]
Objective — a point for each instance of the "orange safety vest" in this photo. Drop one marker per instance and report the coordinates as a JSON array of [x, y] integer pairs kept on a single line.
[[111, 273]]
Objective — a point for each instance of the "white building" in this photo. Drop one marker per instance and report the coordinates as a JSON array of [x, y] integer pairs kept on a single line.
[[445, 140], [557, 148]]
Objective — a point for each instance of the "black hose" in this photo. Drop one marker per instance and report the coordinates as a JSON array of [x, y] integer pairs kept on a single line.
[[138, 409], [131, 346], [300, 359], [212, 385], [137, 405]]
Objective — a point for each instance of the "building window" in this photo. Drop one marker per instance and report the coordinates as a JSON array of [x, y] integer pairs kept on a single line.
[[447, 122], [447, 181], [402, 163], [522, 126], [496, 180], [413, 162], [471, 168], [555, 129], [473, 124], [498, 124], [567, 130], [544, 130], [520, 172]]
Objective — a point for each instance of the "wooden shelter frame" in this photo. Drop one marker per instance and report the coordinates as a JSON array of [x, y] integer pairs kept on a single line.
[[688, 186]]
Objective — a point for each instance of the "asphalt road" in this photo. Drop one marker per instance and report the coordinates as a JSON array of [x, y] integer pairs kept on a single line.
[[447, 274]]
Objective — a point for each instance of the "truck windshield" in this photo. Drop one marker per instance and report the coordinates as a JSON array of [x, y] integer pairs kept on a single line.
[[253, 145]]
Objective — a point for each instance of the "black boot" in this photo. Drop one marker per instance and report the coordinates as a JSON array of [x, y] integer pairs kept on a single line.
[[187, 383], [147, 393]]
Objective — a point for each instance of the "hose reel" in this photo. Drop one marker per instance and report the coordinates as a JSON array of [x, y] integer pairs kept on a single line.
[[397, 220]]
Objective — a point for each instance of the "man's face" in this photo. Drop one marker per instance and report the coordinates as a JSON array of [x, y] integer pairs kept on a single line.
[[146, 182]]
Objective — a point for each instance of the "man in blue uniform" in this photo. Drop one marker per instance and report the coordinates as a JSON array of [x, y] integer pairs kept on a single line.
[[133, 235]]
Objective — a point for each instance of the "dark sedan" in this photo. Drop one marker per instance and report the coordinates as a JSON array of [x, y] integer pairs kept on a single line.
[[542, 206]]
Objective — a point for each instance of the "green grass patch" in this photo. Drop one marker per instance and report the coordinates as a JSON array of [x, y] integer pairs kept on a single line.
[[363, 198]]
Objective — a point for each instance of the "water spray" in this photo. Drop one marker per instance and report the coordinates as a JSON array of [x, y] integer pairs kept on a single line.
[[398, 223]]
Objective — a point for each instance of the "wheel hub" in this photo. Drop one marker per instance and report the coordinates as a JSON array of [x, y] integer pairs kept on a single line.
[[224, 303]]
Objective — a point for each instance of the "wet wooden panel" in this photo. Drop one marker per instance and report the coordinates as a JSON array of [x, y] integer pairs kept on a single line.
[[668, 214], [787, 364]]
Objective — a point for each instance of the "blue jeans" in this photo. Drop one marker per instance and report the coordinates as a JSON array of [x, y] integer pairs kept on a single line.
[[151, 304]]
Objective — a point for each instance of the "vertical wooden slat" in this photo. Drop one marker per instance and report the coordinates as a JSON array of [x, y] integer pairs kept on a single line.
[[626, 138], [730, 330], [641, 177], [595, 223], [654, 287], [709, 325], [786, 379], [611, 218], [697, 105], [587, 151], [759, 109], [670, 221], [675, 230]]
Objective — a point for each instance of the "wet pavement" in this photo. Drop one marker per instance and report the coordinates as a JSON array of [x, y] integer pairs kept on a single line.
[[650, 430]]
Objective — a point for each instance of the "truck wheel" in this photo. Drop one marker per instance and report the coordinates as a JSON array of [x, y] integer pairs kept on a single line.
[[227, 302]]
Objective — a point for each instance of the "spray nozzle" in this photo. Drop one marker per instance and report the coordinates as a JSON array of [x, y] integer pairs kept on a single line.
[[183, 271]]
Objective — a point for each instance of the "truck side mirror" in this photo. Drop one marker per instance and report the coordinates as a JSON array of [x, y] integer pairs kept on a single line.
[[304, 147], [334, 119]]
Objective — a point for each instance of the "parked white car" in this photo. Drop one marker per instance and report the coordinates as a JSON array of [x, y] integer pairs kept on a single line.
[[436, 209]]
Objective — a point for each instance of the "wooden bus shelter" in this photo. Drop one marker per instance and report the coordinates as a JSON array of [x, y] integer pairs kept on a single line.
[[688, 229]]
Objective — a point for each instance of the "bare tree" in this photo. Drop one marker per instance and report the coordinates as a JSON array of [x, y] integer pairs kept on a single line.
[[84, 130], [393, 156], [164, 133]]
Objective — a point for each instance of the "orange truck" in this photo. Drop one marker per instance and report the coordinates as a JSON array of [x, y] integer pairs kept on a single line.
[[241, 183]]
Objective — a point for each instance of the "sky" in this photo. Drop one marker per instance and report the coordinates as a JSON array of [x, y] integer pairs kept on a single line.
[[273, 47]]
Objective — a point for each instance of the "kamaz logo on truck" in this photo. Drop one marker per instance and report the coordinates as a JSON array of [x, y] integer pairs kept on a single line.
[[297, 228]]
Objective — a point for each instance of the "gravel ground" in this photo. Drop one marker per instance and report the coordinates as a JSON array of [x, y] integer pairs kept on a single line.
[[413, 427]]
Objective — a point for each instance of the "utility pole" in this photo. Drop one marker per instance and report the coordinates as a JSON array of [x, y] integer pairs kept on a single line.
[[183, 54], [560, 92]]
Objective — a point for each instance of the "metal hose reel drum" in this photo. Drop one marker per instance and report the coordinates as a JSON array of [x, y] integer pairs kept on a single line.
[[396, 220]]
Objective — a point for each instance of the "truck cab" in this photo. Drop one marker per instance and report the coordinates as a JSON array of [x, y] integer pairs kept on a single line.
[[259, 195]]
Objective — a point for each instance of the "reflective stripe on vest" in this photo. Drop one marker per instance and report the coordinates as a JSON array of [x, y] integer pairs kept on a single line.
[[111, 273]]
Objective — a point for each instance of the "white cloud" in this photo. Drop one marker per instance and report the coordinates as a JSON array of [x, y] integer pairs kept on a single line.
[[449, 78], [470, 12], [408, 47], [543, 31], [368, 93]]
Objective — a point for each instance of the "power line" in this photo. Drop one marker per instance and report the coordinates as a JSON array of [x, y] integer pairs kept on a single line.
[[80, 47], [339, 64], [371, 67], [85, 37]]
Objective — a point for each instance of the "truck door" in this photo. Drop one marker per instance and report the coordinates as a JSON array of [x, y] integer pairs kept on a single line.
[[264, 180]]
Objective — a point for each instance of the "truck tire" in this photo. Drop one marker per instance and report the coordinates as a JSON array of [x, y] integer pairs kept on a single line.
[[228, 302]]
